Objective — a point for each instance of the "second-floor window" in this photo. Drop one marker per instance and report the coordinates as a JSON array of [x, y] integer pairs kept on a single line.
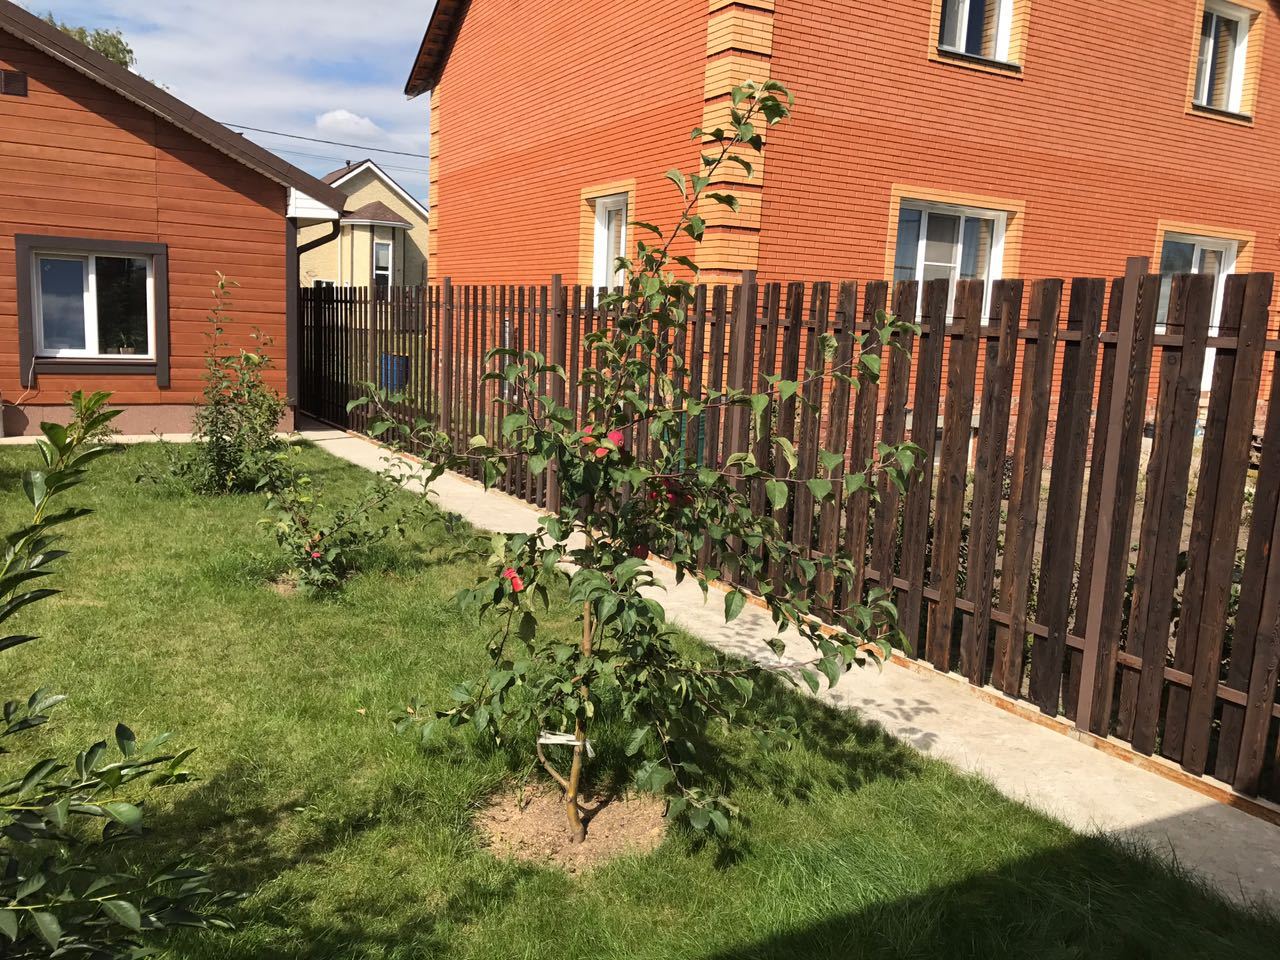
[[1220, 69], [942, 242], [980, 28], [382, 269]]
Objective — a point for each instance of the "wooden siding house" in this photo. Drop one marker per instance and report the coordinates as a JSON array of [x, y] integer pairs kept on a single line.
[[119, 204]]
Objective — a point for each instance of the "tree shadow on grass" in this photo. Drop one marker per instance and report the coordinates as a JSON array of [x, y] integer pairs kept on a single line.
[[1093, 898], [239, 843]]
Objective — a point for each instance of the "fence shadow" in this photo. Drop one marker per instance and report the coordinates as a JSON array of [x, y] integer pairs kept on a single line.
[[1093, 898]]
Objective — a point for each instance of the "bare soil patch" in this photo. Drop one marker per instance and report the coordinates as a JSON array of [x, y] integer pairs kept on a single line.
[[529, 824], [286, 586]]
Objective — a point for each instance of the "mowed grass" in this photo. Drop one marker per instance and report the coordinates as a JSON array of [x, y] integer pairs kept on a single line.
[[353, 842]]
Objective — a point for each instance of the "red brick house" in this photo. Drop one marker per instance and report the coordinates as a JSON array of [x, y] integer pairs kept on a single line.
[[118, 206], [960, 138]]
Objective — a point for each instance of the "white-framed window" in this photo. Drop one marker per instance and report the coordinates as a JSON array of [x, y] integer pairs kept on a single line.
[[1224, 50], [94, 305], [382, 253], [1184, 253], [979, 28], [611, 239], [944, 242]]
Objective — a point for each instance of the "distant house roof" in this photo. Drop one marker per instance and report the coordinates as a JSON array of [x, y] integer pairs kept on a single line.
[[445, 20], [53, 42], [376, 213], [342, 175]]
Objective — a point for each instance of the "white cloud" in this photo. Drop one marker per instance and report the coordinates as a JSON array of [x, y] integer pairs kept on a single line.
[[342, 122], [300, 66]]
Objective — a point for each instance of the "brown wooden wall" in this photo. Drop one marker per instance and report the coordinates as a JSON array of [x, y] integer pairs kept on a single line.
[[77, 159]]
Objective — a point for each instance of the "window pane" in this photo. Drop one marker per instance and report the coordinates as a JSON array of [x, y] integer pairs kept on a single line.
[[981, 35], [62, 304], [1177, 257], [975, 251], [949, 35], [904, 263], [1225, 38], [1210, 261], [382, 256], [1206, 56], [616, 221], [122, 304], [942, 236]]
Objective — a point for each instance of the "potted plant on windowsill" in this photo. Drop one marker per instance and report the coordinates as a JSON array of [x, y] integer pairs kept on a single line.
[[128, 345]]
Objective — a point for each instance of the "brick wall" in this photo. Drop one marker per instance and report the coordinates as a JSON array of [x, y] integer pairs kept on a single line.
[[538, 108]]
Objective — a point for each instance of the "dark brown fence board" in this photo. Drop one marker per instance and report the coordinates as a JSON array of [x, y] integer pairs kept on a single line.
[[924, 431], [786, 420], [810, 415], [1028, 472], [737, 434], [993, 442], [1108, 567], [953, 466], [1191, 308], [862, 445], [837, 437], [896, 374]]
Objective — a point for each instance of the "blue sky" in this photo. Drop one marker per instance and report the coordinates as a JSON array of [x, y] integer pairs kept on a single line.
[[331, 69]]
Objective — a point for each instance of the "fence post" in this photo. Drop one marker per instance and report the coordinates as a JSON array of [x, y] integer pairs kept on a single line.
[[446, 356], [556, 355], [1097, 663]]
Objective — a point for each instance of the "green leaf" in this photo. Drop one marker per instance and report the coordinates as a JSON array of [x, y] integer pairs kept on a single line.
[[734, 601], [125, 814], [33, 485], [123, 913], [726, 199], [125, 740], [777, 492], [676, 177], [513, 422], [9, 924], [821, 489], [48, 927]]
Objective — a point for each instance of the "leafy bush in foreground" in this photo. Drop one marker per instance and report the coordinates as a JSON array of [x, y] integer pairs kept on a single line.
[[60, 820]]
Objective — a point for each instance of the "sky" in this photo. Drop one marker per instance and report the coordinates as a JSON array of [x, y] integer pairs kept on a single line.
[[330, 69]]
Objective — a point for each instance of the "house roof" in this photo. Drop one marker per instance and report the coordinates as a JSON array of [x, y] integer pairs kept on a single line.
[[378, 213], [53, 42], [445, 20], [344, 174]]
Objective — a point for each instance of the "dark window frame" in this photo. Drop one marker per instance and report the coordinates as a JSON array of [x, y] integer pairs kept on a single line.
[[26, 247]]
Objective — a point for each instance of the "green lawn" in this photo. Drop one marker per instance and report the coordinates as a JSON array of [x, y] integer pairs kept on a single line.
[[353, 842]]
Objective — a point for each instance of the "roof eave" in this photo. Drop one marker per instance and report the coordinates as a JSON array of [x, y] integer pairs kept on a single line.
[[446, 18], [54, 43]]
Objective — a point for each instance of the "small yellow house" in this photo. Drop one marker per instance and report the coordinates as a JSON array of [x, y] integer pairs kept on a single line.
[[380, 242]]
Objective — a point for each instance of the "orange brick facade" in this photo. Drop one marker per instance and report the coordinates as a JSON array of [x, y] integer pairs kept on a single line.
[[1091, 145]]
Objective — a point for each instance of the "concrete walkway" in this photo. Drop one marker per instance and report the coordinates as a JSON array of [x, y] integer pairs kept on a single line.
[[941, 716]]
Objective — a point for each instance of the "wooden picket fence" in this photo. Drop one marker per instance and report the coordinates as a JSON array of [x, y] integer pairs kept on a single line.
[[1089, 533]]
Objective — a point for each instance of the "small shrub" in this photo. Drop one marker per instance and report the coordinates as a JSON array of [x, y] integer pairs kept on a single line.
[[325, 543], [622, 499], [237, 446]]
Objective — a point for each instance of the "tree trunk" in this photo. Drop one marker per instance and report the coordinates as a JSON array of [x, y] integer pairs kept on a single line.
[[577, 828]]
